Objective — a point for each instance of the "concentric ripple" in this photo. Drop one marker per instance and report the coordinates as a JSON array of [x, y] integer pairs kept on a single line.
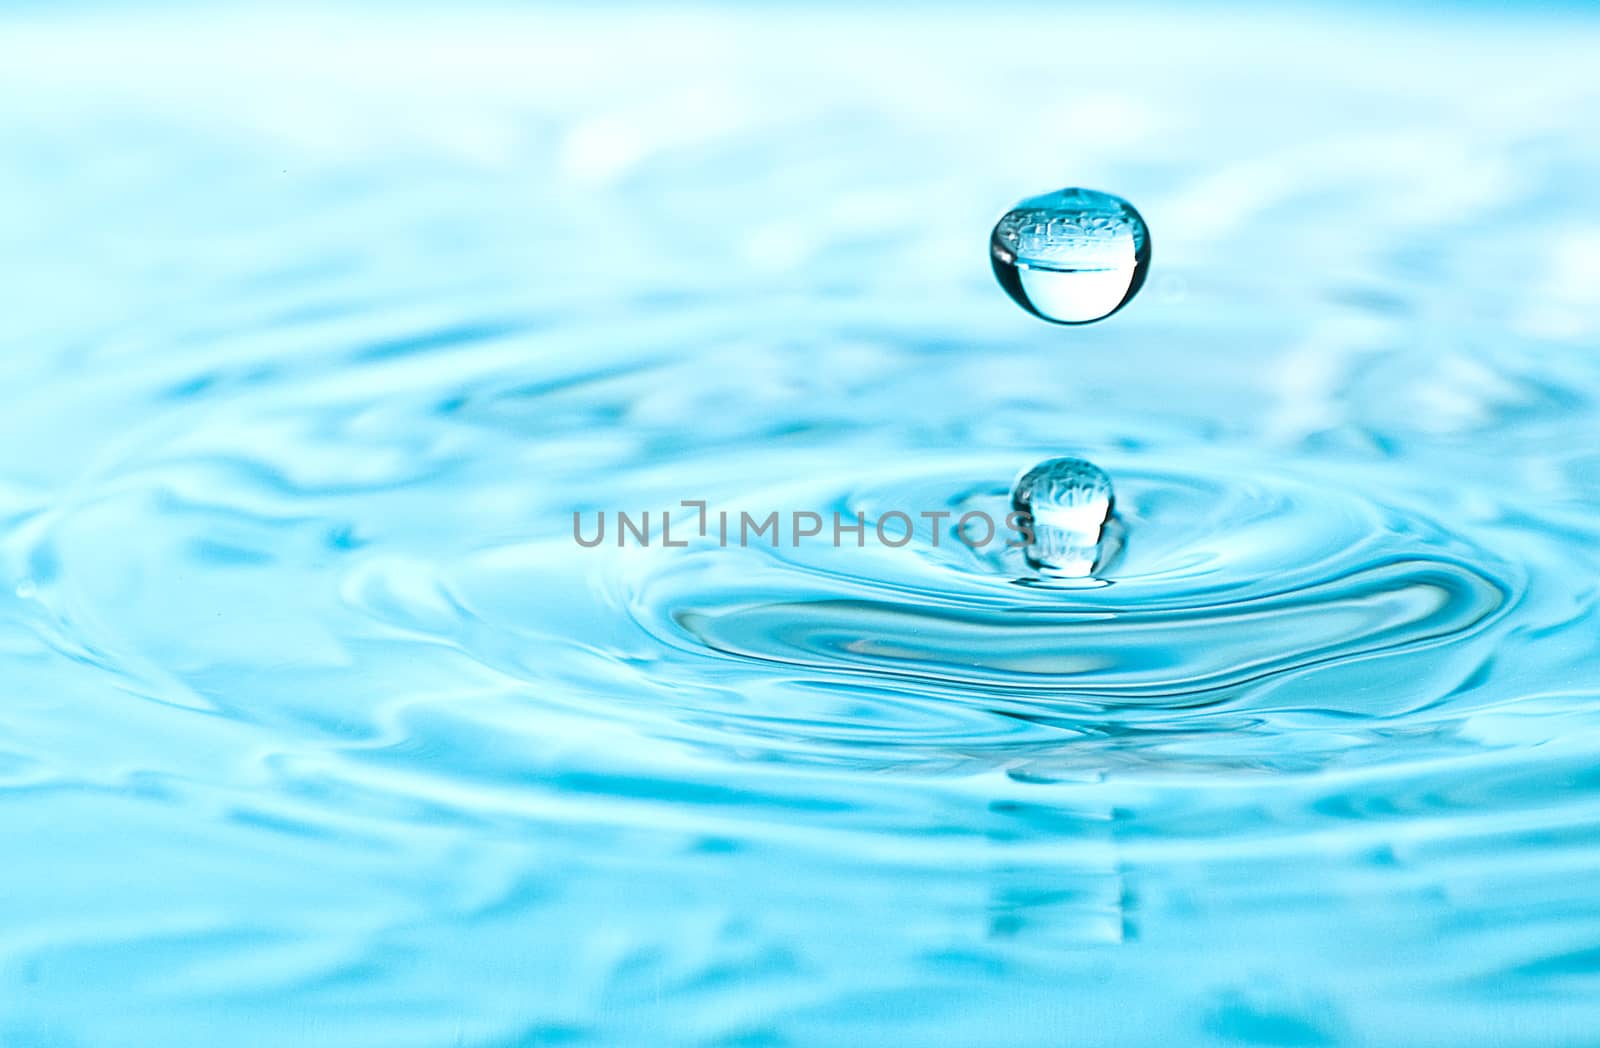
[[1235, 606]]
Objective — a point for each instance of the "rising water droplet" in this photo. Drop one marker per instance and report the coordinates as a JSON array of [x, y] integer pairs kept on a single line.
[[1072, 256], [1068, 502]]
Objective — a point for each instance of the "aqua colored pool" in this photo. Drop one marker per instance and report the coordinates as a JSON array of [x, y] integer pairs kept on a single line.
[[490, 504]]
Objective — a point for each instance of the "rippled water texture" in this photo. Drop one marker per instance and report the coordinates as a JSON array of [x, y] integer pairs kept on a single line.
[[318, 729]]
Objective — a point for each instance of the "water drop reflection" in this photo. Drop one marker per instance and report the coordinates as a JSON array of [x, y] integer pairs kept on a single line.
[[1068, 504], [1071, 257]]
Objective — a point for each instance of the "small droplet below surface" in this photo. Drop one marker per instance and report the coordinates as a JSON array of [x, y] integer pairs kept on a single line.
[[1067, 503], [1072, 256]]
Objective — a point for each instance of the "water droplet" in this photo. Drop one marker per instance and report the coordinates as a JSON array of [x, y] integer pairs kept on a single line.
[[1072, 256], [1068, 502], [26, 589]]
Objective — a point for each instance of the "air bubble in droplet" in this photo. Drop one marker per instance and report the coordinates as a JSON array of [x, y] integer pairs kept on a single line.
[[1067, 503], [1072, 256]]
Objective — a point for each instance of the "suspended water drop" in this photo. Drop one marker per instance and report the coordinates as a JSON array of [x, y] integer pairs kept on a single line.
[[1068, 504], [1072, 256]]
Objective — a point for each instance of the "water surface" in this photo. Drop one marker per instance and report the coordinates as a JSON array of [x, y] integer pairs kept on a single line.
[[317, 728]]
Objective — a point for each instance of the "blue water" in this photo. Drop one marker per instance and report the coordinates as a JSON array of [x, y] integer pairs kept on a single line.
[[318, 728]]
